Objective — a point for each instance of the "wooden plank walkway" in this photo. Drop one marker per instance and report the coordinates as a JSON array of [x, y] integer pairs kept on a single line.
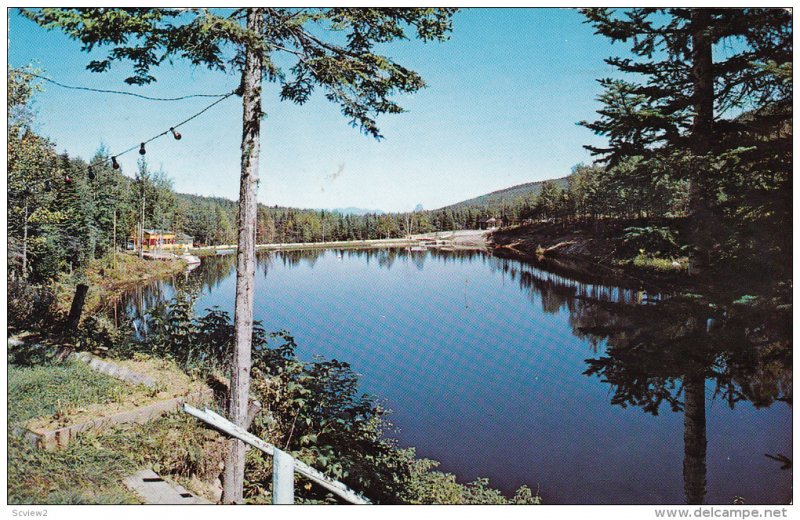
[[155, 490]]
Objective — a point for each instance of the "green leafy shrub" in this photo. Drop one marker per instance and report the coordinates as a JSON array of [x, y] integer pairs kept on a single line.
[[29, 304], [651, 240], [98, 332]]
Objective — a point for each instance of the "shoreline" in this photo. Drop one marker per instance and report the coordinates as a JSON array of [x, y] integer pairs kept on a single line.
[[590, 254], [461, 239], [107, 284]]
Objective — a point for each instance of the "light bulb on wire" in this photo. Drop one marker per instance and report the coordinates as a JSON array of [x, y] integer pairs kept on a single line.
[[142, 151], [175, 134], [114, 163], [91, 173]]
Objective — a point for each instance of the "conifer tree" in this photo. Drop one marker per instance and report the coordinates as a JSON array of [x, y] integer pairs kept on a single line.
[[703, 89]]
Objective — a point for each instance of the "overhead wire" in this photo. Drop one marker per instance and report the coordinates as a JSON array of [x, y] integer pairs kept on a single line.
[[122, 92], [141, 145]]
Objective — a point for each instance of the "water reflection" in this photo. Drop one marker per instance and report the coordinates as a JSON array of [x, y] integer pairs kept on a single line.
[[666, 353], [645, 350], [663, 351]]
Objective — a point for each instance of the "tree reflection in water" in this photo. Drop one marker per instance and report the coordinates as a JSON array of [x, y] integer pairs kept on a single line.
[[666, 352], [663, 351]]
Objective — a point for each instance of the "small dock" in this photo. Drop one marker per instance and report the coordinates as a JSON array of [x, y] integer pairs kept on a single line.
[[163, 257]]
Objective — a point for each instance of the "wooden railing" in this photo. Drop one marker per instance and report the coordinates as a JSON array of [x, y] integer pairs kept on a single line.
[[283, 464]]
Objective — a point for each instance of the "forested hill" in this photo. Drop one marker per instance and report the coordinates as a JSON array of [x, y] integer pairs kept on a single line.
[[212, 219], [507, 196]]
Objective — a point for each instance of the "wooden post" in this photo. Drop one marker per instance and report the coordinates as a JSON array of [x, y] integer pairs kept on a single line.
[[114, 243], [233, 485], [25, 243], [77, 306], [282, 478]]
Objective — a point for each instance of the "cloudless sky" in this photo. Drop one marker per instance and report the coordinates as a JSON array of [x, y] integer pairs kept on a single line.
[[503, 98]]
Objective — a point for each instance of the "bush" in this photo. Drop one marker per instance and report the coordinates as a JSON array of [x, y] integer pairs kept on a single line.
[[29, 305], [98, 332], [652, 240]]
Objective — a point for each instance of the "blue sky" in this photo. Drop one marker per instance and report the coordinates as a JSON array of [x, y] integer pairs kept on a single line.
[[503, 99]]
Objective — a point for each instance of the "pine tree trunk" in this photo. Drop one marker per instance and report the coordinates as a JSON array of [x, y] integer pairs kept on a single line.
[[694, 438], [141, 228], [114, 242], [702, 136], [245, 262]]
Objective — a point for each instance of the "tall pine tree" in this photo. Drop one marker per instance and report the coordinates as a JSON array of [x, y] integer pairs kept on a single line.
[[707, 93]]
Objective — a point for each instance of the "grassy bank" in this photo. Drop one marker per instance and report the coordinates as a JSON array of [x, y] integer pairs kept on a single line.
[[90, 469], [108, 280]]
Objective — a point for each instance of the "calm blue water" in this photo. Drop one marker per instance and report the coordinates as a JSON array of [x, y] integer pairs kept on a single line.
[[482, 362]]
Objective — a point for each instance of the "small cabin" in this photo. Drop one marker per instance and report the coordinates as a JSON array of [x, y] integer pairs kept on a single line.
[[155, 239]]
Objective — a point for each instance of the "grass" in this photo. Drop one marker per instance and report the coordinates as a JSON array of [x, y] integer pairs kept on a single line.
[[90, 469], [56, 390], [78, 474], [662, 265], [107, 281], [58, 395]]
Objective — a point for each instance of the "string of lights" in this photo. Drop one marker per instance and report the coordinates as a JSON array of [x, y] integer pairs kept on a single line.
[[123, 93], [89, 169]]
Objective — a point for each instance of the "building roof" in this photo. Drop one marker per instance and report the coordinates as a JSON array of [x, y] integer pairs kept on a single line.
[[158, 232]]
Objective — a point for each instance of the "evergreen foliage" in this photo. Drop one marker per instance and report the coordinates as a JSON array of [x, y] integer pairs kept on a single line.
[[707, 102]]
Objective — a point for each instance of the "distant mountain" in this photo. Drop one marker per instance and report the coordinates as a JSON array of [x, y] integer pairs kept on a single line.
[[357, 211], [507, 195]]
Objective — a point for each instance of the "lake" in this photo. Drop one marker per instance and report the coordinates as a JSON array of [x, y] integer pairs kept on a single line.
[[503, 369]]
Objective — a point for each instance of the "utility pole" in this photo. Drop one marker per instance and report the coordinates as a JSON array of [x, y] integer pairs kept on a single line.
[[233, 486]]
